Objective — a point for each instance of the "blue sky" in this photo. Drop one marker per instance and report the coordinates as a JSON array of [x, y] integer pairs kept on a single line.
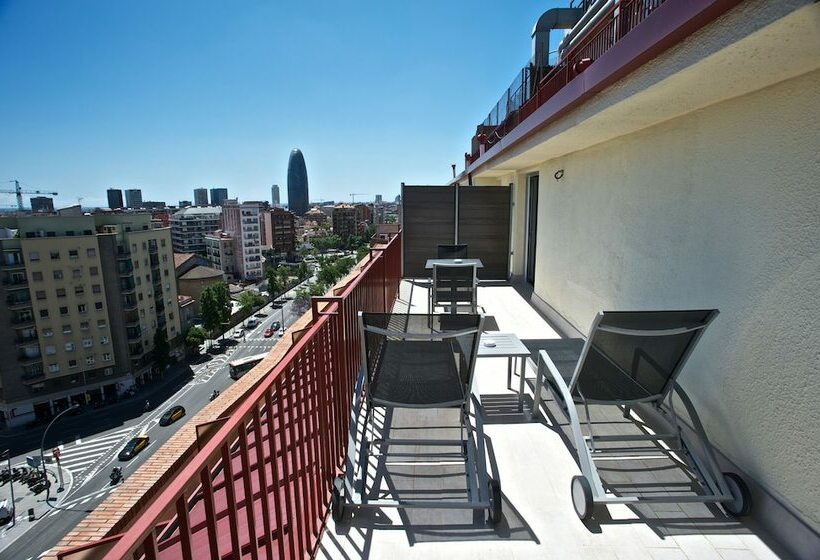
[[169, 96]]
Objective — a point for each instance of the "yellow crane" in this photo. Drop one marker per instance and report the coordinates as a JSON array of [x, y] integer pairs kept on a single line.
[[19, 192]]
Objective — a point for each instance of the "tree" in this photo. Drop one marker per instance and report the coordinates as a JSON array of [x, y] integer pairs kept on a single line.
[[194, 338], [248, 300], [302, 271], [162, 350], [215, 305], [302, 297], [275, 284], [327, 242]]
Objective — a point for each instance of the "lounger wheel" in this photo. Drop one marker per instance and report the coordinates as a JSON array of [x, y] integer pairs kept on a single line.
[[337, 499], [581, 497], [742, 503], [494, 488]]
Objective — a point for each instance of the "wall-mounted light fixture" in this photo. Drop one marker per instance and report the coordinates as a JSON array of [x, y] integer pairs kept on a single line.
[[559, 175]]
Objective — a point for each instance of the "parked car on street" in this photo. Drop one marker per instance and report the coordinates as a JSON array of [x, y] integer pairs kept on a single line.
[[268, 333], [134, 446], [275, 326]]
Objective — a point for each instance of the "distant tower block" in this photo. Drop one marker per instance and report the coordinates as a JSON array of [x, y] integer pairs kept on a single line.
[[274, 196], [297, 183]]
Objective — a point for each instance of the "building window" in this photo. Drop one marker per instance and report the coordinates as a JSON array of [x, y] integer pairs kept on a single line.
[[165, 258], [34, 256], [66, 329], [40, 294], [144, 246], [72, 364], [84, 326], [98, 305], [37, 276], [77, 273], [93, 271], [134, 247], [44, 313], [60, 292], [55, 255], [147, 277], [82, 308], [96, 289], [51, 350], [103, 340], [136, 264], [140, 297], [89, 360], [69, 346], [73, 254], [91, 252], [166, 272], [107, 357], [139, 281], [162, 243], [79, 290], [53, 368], [101, 323], [58, 274], [48, 332], [64, 310], [88, 342]]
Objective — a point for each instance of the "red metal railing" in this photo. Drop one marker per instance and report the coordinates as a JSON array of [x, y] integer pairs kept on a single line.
[[621, 18], [261, 485]]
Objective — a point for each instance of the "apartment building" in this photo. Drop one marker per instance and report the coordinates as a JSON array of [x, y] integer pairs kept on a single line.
[[84, 298], [219, 250], [344, 220], [189, 226], [278, 231], [218, 195], [241, 221], [201, 196], [133, 198]]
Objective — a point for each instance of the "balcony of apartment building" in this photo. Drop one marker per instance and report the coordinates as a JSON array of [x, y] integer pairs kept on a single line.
[[129, 301], [13, 281], [18, 300], [131, 318], [125, 267], [26, 337], [260, 479], [29, 354]]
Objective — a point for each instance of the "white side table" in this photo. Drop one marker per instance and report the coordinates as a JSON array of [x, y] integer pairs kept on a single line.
[[506, 345]]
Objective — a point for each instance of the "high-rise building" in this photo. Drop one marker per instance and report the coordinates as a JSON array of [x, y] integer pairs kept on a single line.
[[115, 199], [297, 183], [42, 204], [278, 231], [274, 196], [218, 196], [189, 226], [84, 296], [378, 199], [133, 198], [201, 197], [344, 220], [184, 203], [241, 221]]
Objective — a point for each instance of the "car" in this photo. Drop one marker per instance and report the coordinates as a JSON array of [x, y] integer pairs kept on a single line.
[[252, 323], [238, 333], [134, 446], [172, 415], [261, 314], [268, 332], [275, 326]]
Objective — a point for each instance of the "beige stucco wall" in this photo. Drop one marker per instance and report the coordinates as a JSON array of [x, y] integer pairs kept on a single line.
[[718, 208]]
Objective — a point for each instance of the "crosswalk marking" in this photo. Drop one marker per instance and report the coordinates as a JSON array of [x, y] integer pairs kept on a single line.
[[77, 457]]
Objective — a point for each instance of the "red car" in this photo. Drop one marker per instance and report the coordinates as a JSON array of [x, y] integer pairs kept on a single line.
[[268, 332]]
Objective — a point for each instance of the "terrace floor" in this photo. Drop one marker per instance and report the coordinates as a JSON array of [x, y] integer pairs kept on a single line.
[[535, 462]]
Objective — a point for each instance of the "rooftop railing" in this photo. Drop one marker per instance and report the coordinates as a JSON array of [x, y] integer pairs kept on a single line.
[[261, 484], [535, 86]]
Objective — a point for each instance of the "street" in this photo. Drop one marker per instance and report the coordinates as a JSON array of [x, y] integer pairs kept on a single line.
[[90, 442]]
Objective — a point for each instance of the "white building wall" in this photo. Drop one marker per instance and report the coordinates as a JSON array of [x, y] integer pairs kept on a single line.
[[718, 208]]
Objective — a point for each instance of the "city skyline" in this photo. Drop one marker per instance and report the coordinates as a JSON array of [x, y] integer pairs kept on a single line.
[[188, 95]]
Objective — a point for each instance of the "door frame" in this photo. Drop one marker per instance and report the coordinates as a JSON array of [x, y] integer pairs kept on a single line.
[[530, 219]]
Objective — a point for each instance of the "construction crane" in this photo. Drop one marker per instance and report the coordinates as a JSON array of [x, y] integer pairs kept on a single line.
[[19, 192], [353, 195]]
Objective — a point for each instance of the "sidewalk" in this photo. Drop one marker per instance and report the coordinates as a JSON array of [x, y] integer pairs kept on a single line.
[[27, 502]]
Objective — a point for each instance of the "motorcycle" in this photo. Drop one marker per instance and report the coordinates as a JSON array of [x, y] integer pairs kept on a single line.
[[116, 475], [147, 406], [214, 394]]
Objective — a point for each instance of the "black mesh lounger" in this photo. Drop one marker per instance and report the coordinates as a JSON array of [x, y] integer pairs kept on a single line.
[[417, 361], [629, 358]]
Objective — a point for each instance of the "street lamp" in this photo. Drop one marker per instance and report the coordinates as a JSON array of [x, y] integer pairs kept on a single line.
[[75, 406]]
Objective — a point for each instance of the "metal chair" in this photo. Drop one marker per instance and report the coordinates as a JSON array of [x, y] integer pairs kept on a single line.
[[630, 358], [458, 251], [454, 286], [417, 362]]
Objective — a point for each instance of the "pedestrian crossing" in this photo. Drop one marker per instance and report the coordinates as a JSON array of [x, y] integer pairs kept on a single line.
[[78, 456]]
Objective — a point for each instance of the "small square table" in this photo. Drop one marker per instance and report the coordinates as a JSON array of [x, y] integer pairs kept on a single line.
[[506, 345], [430, 262]]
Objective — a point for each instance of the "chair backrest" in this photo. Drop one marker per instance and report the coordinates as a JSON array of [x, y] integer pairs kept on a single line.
[[454, 284], [457, 335], [452, 251], [636, 356]]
